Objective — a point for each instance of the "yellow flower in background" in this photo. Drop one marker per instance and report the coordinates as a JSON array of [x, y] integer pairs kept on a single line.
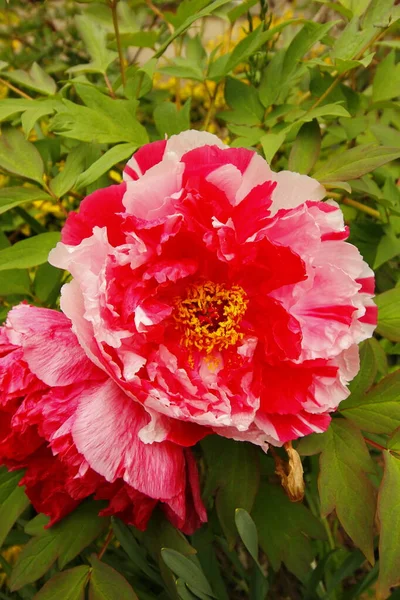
[[46, 207], [4, 179], [10, 554], [115, 176], [3, 91]]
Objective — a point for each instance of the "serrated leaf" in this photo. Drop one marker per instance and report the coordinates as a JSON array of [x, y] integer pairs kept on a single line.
[[20, 157], [107, 584], [28, 253], [186, 570], [389, 517], [35, 79], [327, 110], [94, 38], [388, 305], [235, 476], [69, 585], [351, 41], [284, 529], [343, 482], [377, 411], [306, 148], [353, 163]]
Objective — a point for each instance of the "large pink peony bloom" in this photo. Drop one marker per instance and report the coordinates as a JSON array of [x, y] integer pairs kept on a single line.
[[218, 296]]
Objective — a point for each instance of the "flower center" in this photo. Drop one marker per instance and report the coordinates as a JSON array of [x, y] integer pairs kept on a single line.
[[209, 316]]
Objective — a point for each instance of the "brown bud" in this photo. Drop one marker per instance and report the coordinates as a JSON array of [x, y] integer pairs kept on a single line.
[[291, 473]]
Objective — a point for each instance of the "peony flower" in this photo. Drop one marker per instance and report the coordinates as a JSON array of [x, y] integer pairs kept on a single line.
[[209, 295], [218, 295], [48, 389]]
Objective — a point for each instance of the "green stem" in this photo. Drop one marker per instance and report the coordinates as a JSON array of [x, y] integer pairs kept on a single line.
[[113, 6], [34, 224]]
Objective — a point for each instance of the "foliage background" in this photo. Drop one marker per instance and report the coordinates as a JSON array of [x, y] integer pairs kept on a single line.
[[314, 87]]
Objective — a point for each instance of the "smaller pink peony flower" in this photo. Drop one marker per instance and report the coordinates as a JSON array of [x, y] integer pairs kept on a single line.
[[50, 393]]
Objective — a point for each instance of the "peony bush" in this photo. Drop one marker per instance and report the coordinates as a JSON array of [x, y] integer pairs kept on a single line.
[[196, 302]]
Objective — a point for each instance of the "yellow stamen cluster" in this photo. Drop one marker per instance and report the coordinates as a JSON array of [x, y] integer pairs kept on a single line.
[[209, 316]]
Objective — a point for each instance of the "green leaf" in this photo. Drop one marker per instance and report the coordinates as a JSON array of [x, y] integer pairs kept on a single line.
[[186, 570], [104, 164], [343, 482], [69, 585], [388, 305], [351, 41], [183, 67], [389, 518], [36, 526], [32, 115], [14, 282], [284, 530], [379, 14], [34, 561], [65, 180], [20, 157], [377, 411], [386, 83], [357, 7], [138, 39], [270, 87], [303, 41], [28, 253], [169, 120], [94, 38], [8, 482], [78, 530], [14, 196], [353, 163], [235, 476], [190, 17], [271, 142], [306, 148], [252, 42], [240, 10], [101, 126], [135, 551], [365, 378], [35, 79], [248, 532], [11, 508], [327, 110], [12, 106], [107, 584], [388, 248], [244, 100]]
